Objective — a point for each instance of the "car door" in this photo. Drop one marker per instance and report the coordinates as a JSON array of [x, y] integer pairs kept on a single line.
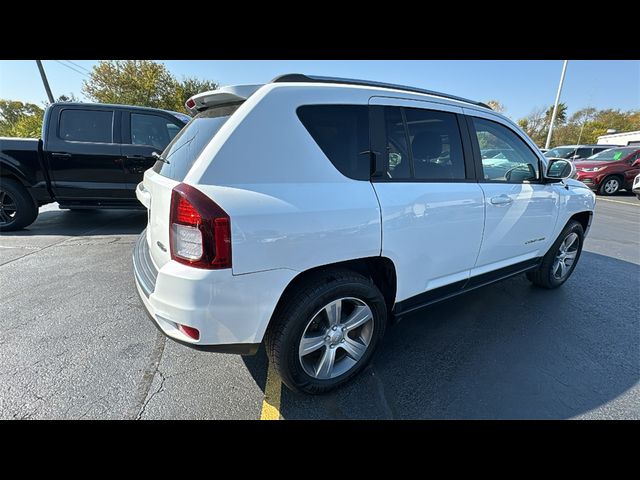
[[84, 157], [431, 206], [521, 210], [145, 133]]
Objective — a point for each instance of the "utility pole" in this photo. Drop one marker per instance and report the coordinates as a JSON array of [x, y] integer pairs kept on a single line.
[[45, 81], [555, 106]]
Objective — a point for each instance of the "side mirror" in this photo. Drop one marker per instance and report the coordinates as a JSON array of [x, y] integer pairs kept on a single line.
[[560, 169]]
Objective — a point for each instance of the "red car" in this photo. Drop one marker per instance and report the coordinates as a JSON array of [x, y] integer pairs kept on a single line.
[[609, 171]]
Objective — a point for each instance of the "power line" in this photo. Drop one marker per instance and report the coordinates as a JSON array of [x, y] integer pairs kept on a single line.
[[78, 65], [71, 68]]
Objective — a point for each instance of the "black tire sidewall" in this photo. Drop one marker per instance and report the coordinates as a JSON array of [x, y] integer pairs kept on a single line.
[[294, 375], [26, 208], [573, 227]]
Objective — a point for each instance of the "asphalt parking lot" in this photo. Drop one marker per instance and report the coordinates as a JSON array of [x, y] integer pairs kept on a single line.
[[75, 342]]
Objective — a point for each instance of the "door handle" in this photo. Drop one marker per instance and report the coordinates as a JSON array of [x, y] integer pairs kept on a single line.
[[501, 200], [60, 155]]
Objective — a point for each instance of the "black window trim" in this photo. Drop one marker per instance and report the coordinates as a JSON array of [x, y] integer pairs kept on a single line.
[[475, 145], [469, 165], [75, 109]]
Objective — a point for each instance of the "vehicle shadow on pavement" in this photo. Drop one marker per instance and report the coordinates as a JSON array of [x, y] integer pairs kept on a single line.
[[509, 350], [83, 223]]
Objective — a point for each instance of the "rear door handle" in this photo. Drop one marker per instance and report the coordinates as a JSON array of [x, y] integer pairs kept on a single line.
[[501, 200], [60, 155]]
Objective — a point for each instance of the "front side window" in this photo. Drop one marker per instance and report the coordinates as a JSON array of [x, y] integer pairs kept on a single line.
[[152, 130], [505, 156], [86, 126], [342, 133]]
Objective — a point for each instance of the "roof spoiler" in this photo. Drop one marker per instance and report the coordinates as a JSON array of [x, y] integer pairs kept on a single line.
[[221, 96]]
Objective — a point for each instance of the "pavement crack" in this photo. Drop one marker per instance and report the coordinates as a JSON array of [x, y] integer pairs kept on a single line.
[[158, 390], [141, 400]]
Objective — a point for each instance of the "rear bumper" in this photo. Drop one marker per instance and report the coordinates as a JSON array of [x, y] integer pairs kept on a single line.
[[231, 312]]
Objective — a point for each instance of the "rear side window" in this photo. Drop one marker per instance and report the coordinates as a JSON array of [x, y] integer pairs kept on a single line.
[[152, 130], [86, 126], [584, 152], [187, 145], [342, 133]]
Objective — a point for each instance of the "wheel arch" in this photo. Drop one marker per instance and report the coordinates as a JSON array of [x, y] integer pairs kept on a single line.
[[381, 270]]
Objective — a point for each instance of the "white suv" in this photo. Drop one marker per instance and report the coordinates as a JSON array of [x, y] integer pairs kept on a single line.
[[310, 211]]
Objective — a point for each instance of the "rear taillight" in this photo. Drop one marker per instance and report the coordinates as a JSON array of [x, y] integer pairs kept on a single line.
[[199, 231], [189, 331], [190, 103]]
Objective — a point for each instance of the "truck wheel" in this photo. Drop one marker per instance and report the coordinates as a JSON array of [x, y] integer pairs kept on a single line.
[[610, 185], [558, 264], [327, 331], [17, 207]]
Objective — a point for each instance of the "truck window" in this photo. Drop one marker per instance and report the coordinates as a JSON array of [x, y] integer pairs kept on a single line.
[[86, 126], [153, 130]]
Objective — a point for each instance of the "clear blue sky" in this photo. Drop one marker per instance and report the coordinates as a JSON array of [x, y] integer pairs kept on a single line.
[[520, 85]]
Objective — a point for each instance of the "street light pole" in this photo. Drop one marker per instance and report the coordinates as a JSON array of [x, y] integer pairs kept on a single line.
[[555, 106], [45, 81]]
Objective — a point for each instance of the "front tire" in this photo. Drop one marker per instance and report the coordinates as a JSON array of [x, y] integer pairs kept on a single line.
[[17, 207], [326, 331], [610, 185], [561, 259]]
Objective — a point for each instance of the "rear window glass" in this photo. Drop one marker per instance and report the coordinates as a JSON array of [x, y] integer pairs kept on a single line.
[[187, 145], [86, 126], [342, 133]]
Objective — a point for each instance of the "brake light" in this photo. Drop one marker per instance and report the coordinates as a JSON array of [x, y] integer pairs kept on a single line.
[[190, 103], [199, 231]]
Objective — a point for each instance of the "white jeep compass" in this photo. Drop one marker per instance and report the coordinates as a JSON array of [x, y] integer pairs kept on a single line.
[[310, 211]]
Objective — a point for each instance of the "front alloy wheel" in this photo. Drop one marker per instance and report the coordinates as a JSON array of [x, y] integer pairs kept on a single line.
[[610, 186], [566, 256]]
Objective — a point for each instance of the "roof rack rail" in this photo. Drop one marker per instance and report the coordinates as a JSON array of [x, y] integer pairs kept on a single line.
[[300, 77]]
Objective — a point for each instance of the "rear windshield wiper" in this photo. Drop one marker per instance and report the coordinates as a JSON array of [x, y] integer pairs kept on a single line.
[[157, 156]]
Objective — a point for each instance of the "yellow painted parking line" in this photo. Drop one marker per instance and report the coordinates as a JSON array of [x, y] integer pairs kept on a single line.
[[272, 394], [617, 201]]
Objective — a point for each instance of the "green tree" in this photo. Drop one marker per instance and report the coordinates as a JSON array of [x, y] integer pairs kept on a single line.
[[561, 115], [191, 86], [18, 119], [141, 82]]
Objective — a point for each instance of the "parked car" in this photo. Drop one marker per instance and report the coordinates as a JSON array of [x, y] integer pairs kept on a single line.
[[309, 211], [576, 152], [609, 171], [90, 156], [636, 186]]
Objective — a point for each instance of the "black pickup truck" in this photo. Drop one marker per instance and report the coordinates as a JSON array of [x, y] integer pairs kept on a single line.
[[90, 156]]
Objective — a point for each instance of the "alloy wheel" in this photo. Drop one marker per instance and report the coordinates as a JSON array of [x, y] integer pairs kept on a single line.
[[611, 186], [8, 208], [336, 338], [566, 256]]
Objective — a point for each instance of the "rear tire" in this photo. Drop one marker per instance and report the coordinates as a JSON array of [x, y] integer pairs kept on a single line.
[[555, 269], [305, 323], [610, 185], [18, 209]]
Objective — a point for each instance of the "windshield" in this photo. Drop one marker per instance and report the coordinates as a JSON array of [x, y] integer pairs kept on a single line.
[[612, 155], [560, 152], [187, 145]]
